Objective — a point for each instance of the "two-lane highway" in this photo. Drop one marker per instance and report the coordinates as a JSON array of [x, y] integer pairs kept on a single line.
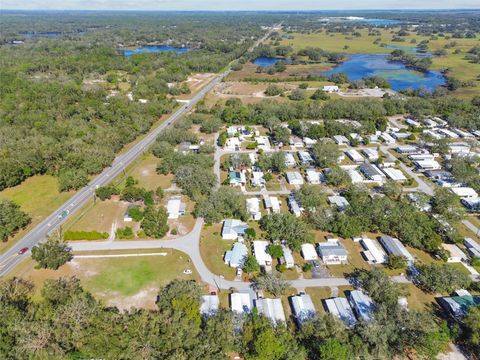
[[10, 258]]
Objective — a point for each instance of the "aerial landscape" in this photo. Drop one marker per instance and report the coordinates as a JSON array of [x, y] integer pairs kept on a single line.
[[265, 180]]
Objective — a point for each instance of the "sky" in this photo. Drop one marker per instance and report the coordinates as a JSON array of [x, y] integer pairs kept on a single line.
[[235, 4]]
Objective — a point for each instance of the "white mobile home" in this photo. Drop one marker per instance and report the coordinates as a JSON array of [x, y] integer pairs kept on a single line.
[[340, 308], [302, 308], [241, 302], [253, 208], [308, 252], [294, 178], [393, 246], [362, 304], [354, 155], [272, 309], [372, 251], [332, 252], [394, 174], [260, 252], [313, 176]]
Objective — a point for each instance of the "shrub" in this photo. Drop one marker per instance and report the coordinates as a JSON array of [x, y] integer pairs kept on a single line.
[[106, 192], [125, 233], [135, 213]]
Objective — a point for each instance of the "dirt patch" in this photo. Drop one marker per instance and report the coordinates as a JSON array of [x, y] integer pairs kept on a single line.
[[144, 299]]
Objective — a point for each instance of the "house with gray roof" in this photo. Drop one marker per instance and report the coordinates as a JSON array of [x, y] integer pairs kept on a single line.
[[233, 229], [332, 252]]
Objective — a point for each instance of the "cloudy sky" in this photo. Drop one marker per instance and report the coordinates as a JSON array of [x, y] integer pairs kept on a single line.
[[235, 4]]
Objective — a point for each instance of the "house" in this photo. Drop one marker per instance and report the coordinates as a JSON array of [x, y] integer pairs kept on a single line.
[[175, 208], [388, 138], [330, 88], [472, 246], [308, 252], [435, 135], [354, 155], [272, 309], [423, 156], [294, 178], [257, 179], [465, 192], [371, 154], [456, 255], [126, 216], [400, 135], [373, 253], [305, 157], [332, 252], [429, 123], [295, 141], [209, 305], [458, 306], [260, 253], [263, 143], [232, 229], [253, 158], [412, 123], [289, 159], [427, 165], [313, 176], [472, 204], [294, 206], [287, 257], [235, 257], [356, 177], [341, 309], [448, 133], [407, 149], [394, 174], [302, 308], [341, 140], [439, 175], [237, 178], [362, 304], [339, 201], [309, 142], [233, 144], [372, 172], [272, 203], [253, 208], [459, 148], [232, 131], [241, 302], [393, 246]]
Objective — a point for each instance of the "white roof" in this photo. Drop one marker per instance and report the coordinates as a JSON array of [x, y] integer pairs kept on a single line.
[[340, 308], [275, 203], [294, 177], [362, 303], [355, 176], [210, 304], [313, 176], [394, 174], [341, 139], [241, 302], [271, 308], [374, 250], [302, 307], [174, 208], [428, 164], [338, 201], [259, 250], [289, 159], [308, 252], [454, 251], [354, 155], [253, 205], [395, 247], [465, 192], [287, 255], [370, 153]]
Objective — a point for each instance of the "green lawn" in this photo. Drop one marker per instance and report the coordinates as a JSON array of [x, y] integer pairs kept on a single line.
[[213, 248]]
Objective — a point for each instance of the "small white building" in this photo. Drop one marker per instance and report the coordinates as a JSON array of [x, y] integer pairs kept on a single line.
[[373, 253], [309, 142], [257, 179], [275, 204], [287, 257], [308, 252], [302, 308], [413, 123], [232, 229], [289, 159], [394, 174], [263, 143], [209, 305], [354, 155], [393, 246], [294, 206], [233, 144], [339, 201], [313, 176], [241, 302], [456, 255], [427, 165], [362, 304], [371, 154], [332, 252], [465, 192], [272, 309], [407, 149], [341, 140], [472, 246], [294, 178], [388, 138], [305, 157], [260, 253], [356, 177], [253, 208], [330, 88], [372, 172], [448, 133], [175, 208]]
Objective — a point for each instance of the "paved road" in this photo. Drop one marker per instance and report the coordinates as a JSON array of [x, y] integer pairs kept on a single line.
[[10, 258]]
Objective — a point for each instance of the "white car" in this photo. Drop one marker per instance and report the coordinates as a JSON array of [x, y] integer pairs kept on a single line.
[[187, 271]]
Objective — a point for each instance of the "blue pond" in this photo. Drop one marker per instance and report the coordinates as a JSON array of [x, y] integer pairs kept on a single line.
[[154, 49], [373, 22], [265, 61], [397, 74]]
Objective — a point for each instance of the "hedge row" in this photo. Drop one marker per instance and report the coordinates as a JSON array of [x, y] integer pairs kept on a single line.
[[85, 235]]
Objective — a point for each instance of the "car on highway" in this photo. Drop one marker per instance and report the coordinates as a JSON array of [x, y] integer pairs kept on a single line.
[[63, 214], [23, 250]]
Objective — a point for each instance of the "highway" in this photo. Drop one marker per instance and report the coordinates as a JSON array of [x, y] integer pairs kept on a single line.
[[10, 258]]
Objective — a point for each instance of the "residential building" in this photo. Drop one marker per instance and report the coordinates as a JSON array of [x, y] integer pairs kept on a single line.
[[272, 309], [371, 154], [233, 144], [309, 142], [294, 206], [341, 309], [388, 138], [289, 159], [237, 178], [455, 254], [232, 229], [341, 140], [330, 88], [241, 302], [257, 179], [372, 172], [356, 177], [253, 208], [263, 143], [459, 148], [373, 253], [308, 252], [472, 204], [209, 305], [260, 253], [302, 308], [427, 165], [295, 141], [472, 246], [413, 123], [458, 306], [354, 155], [235, 257], [429, 123], [394, 174], [305, 157], [399, 135], [362, 304], [434, 134], [313, 176], [332, 252], [287, 257], [465, 192], [175, 208], [274, 204], [407, 149], [339, 201], [422, 156], [448, 133], [294, 178], [393, 246], [232, 131]]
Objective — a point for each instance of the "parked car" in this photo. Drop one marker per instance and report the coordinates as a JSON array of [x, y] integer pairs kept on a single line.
[[187, 271], [239, 271], [316, 264]]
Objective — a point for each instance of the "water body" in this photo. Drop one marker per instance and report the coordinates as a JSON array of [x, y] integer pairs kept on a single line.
[[49, 34], [397, 74], [373, 22], [148, 49], [265, 61]]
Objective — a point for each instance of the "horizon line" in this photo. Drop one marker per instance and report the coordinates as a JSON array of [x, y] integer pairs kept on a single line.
[[245, 10]]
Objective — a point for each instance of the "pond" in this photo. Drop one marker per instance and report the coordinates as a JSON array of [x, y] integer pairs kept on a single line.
[[148, 49], [397, 74], [265, 61]]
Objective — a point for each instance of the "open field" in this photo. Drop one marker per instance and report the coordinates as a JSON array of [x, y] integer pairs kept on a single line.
[[122, 282], [38, 196]]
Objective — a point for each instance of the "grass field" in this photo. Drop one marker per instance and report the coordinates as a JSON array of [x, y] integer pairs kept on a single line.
[[213, 248], [38, 196], [124, 282]]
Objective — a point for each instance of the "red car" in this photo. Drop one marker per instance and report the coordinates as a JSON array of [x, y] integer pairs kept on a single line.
[[23, 250]]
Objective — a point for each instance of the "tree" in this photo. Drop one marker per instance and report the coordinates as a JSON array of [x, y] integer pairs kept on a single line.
[[392, 189], [319, 94], [106, 192], [226, 202], [311, 197], [276, 251], [71, 179], [447, 204], [250, 265], [52, 254], [154, 222], [271, 282], [273, 90], [286, 227], [297, 94], [332, 349], [397, 262], [11, 219], [326, 153], [472, 325], [337, 177], [442, 278]]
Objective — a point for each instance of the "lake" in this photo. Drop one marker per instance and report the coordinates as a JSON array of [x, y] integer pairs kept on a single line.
[[397, 74], [265, 61], [148, 49], [353, 19]]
